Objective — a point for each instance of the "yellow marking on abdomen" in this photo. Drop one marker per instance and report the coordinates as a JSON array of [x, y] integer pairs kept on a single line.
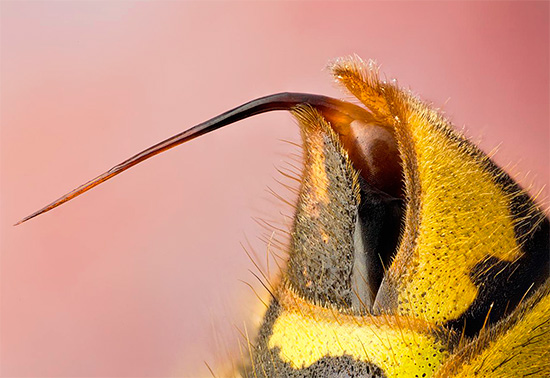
[[465, 218], [399, 351]]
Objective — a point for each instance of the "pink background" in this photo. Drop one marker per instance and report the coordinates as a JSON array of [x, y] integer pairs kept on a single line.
[[140, 277]]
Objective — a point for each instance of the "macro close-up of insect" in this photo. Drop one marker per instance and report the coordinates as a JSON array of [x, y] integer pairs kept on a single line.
[[374, 203], [411, 254]]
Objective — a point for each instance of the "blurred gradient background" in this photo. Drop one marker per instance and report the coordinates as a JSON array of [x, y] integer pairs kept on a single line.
[[140, 277]]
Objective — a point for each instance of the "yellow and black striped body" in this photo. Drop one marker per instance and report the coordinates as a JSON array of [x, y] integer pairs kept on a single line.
[[463, 290], [411, 253]]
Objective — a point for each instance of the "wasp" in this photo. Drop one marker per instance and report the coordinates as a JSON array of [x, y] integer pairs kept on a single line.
[[411, 253]]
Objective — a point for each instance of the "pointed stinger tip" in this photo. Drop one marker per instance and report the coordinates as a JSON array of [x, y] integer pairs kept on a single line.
[[19, 222], [279, 101], [26, 219]]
